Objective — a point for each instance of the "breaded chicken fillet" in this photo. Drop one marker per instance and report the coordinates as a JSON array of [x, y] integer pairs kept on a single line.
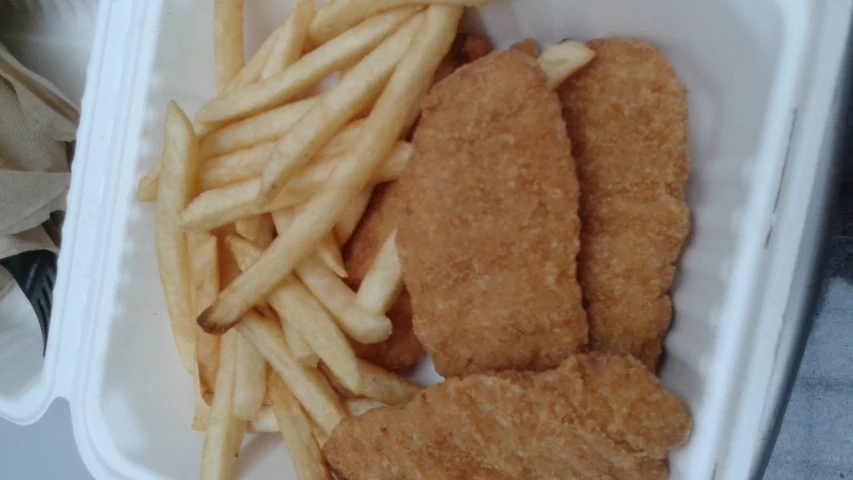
[[597, 416], [490, 234], [626, 114]]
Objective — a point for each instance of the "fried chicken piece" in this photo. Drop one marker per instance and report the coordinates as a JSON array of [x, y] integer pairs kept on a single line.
[[489, 239], [626, 114], [402, 350], [596, 416]]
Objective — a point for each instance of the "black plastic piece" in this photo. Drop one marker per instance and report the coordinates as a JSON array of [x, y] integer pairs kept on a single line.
[[35, 273]]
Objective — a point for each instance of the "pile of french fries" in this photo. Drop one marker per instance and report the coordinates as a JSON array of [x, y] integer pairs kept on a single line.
[[256, 196]]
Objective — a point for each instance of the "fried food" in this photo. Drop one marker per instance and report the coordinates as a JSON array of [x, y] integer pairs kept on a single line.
[[626, 114], [490, 233], [402, 350], [596, 416]]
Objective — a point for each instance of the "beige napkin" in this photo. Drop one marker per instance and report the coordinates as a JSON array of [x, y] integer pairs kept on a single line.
[[36, 121]]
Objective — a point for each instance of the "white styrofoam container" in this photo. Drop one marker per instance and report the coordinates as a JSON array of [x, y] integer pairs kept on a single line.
[[762, 77]]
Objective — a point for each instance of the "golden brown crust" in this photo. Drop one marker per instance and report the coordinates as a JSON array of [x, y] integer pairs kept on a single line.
[[626, 113], [596, 416], [490, 235]]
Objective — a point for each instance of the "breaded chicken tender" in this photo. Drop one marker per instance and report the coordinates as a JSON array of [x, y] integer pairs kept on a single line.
[[626, 114], [490, 235], [597, 416]]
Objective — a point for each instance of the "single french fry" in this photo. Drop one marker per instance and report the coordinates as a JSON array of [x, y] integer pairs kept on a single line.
[[359, 406], [227, 40], [338, 16], [146, 189], [255, 130], [296, 430], [202, 408], [381, 130], [384, 280], [345, 100], [291, 40], [225, 431], [204, 272], [176, 188], [351, 216], [251, 380], [295, 304], [221, 206], [307, 383], [561, 60], [384, 386], [376, 384], [306, 71], [302, 351]]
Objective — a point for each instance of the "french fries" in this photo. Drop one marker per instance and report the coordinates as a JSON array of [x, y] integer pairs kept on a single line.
[[296, 430], [291, 40], [294, 303], [302, 351], [306, 71], [384, 386], [307, 383], [356, 89], [561, 60], [224, 430], [381, 129], [227, 40], [180, 167], [336, 17], [384, 280]]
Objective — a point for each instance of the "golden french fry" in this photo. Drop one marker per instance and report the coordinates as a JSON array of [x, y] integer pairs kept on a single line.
[[227, 40], [561, 60], [255, 130], [176, 188], [340, 104], [296, 430], [302, 351], [306, 72], [146, 189], [527, 47], [307, 383], [338, 16], [381, 130], [295, 304], [351, 216], [204, 272], [202, 410], [251, 71], [291, 40], [251, 380], [221, 206], [264, 421], [359, 406], [384, 386], [225, 431], [376, 384], [384, 280], [339, 299]]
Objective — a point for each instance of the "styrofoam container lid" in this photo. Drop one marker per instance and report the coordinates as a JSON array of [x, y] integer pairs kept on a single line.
[[761, 77]]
